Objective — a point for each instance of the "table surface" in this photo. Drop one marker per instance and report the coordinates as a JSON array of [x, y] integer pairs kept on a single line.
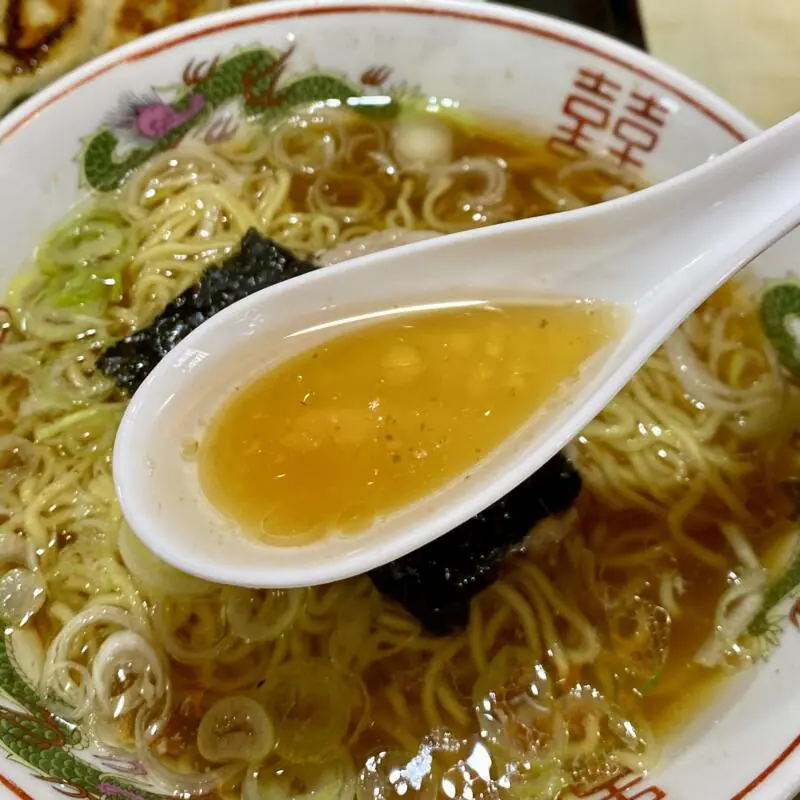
[[746, 51]]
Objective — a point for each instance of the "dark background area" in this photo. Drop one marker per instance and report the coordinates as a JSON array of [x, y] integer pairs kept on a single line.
[[619, 18]]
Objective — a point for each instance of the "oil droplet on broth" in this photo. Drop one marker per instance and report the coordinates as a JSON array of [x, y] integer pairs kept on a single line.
[[381, 415]]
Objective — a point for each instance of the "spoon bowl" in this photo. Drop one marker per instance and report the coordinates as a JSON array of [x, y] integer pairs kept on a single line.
[[659, 253]]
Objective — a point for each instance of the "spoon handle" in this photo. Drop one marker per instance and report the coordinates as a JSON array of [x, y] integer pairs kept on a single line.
[[663, 249], [722, 215]]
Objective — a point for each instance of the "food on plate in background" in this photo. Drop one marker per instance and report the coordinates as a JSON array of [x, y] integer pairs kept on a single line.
[[40, 40]]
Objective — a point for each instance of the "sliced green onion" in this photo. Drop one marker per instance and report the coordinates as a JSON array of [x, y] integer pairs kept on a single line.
[[154, 573], [235, 729], [22, 594], [332, 780], [262, 616], [310, 704]]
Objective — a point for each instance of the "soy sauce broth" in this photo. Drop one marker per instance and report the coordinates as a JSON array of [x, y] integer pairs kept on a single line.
[[379, 416]]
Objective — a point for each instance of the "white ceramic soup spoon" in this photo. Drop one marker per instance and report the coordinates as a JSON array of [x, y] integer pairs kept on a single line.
[[661, 252]]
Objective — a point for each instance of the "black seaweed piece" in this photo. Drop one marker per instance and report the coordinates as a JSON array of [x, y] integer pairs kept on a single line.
[[437, 582], [257, 264]]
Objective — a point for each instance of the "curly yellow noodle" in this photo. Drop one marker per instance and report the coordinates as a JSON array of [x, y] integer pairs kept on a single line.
[[638, 548], [430, 683], [475, 639], [660, 474], [553, 645], [590, 641], [527, 618], [398, 702], [403, 216], [498, 621], [399, 624]]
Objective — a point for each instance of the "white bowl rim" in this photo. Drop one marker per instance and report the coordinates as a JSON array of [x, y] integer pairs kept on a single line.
[[597, 44]]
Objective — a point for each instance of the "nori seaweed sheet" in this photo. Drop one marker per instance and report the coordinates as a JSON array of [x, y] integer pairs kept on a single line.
[[257, 264], [437, 582]]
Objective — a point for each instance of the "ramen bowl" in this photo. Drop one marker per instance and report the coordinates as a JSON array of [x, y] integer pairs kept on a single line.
[[582, 93]]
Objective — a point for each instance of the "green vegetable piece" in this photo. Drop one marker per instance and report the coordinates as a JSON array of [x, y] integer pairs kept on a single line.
[[776, 592], [780, 306], [83, 261], [651, 684]]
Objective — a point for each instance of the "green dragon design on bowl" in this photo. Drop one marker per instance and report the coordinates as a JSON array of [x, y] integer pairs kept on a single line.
[[252, 79]]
